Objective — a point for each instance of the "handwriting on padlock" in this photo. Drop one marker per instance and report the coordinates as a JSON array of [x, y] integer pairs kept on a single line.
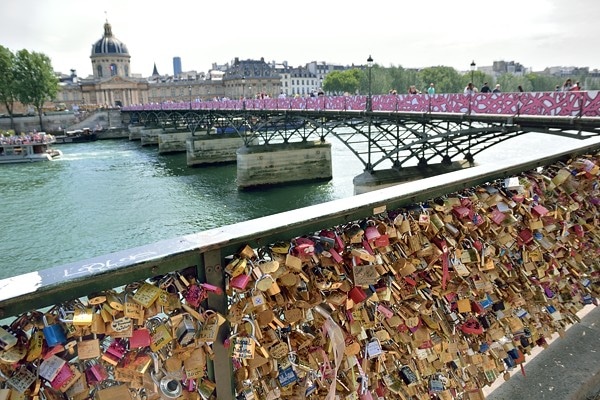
[[243, 347], [21, 380], [365, 275], [50, 367], [278, 350], [121, 324]]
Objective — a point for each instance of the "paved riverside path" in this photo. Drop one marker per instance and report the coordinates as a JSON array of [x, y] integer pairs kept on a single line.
[[569, 369]]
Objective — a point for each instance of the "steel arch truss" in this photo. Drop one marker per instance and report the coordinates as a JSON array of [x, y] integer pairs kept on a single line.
[[378, 139]]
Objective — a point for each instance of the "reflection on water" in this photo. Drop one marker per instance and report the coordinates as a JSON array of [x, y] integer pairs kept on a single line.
[[106, 196]]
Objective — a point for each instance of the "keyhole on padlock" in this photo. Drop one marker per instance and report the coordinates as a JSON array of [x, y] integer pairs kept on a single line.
[[170, 387]]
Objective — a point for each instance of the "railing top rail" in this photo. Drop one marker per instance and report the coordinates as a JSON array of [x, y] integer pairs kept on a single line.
[[42, 288], [577, 103]]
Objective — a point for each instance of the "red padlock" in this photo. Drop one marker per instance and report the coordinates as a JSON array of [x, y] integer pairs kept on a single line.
[[140, 338], [357, 294]]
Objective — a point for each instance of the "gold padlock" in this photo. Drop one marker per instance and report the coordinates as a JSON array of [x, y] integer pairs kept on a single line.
[[118, 392]]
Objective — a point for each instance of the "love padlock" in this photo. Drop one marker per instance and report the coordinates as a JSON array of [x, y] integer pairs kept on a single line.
[[160, 334], [54, 333], [186, 331], [7, 338], [22, 379], [95, 372]]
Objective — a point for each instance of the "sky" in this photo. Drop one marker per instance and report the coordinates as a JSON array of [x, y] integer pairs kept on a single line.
[[411, 34]]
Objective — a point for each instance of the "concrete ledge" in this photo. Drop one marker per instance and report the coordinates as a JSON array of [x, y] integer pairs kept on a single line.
[[569, 369]]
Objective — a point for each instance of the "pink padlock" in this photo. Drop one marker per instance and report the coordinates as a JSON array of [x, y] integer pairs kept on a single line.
[[116, 349], [95, 373], [64, 374], [385, 311], [240, 282], [371, 232], [335, 255], [194, 295], [367, 247]]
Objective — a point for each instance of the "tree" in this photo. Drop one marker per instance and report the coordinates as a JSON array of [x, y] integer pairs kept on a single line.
[[543, 83], [7, 82], [36, 81], [445, 79], [342, 81], [510, 83]]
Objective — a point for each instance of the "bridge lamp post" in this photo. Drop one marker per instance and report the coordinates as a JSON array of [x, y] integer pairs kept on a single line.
[[244, 92], [190, 90], [369, 166], [473, 65], [369, 98]]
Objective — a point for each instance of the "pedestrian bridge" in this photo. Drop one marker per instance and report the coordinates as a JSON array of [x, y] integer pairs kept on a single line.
[[388, 133]]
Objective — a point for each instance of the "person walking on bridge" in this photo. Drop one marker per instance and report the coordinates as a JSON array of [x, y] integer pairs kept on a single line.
[[431, 89], [469, 89], [485, 88]]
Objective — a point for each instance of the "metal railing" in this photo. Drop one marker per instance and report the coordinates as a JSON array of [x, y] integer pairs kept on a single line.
[[206, 251], [564, 104]]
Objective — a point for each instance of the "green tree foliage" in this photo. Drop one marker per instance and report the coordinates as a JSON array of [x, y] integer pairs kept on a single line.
[[510, 83], [543, 83], [36, 81], [340, 82], [8, 86], [445, 79]]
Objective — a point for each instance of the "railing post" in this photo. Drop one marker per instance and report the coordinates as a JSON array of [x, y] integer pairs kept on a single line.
[[222, 365]]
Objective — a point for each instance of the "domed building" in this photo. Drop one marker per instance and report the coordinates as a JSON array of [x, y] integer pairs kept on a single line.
[[110, 56], [112, 84]]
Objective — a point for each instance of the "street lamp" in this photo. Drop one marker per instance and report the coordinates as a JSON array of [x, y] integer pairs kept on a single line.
[[190, 89], [369, 98], [472, 70], [244, 92]]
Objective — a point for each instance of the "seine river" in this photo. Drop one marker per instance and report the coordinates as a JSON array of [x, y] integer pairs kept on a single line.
[[107, 196]]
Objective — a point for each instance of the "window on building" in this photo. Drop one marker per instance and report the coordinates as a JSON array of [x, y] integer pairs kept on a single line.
[[99, 70], [113, 69], [126, 70]]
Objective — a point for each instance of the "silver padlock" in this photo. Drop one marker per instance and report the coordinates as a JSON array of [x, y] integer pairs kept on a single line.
[[186, 331], [7, 338], [22, 379], [169, 384]]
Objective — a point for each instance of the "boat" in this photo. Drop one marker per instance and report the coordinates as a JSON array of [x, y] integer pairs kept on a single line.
[[28, 148], [77, 136]]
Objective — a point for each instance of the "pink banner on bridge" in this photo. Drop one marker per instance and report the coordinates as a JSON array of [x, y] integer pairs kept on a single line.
[[581, 103]]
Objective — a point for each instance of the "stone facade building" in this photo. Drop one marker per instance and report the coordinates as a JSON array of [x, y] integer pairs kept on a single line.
[[113, 85]]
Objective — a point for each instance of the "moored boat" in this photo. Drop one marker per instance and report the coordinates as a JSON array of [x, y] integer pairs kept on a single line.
[[28, 148], [77, 136]]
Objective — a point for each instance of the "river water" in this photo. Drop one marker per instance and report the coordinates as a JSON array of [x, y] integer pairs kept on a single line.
[[107, 196]]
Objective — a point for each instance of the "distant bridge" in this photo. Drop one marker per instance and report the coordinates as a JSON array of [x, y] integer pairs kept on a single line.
[[427, 128]]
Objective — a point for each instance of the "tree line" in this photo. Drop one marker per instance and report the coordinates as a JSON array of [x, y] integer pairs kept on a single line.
[[28, 78], [445, 80]]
